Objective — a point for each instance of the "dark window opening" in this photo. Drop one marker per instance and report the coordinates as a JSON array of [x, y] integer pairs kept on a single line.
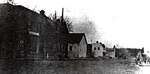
[[21, 41], [70, 48], [94, 48], [98, 48]]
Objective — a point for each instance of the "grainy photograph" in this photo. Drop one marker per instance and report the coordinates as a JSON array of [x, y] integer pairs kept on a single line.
[[74, 37]]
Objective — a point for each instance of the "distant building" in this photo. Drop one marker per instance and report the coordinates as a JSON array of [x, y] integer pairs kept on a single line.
[[127, 53], [77, 45], [98, 49], [110, 52]]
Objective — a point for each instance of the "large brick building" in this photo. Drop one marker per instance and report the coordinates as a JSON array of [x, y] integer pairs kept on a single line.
[[28, 34]]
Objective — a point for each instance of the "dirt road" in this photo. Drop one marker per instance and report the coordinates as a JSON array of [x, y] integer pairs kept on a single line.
[[71, 67]]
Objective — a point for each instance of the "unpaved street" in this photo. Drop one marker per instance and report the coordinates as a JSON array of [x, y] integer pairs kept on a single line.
[[71, 67]]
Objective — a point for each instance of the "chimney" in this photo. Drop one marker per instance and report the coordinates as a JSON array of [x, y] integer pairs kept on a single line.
[[96, 41], [10, 1], [42, 12], [114, 46], [55, 16], [62, 15]]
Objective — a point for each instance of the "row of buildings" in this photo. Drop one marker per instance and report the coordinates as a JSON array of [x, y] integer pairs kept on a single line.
[[26, 34], [79, 48]]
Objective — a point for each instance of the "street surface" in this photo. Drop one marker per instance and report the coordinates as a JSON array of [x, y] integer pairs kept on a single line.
[[73, 67]]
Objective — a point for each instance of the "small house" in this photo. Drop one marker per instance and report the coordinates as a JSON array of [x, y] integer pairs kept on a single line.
[[98, 49], [110, 52], [77, 45]]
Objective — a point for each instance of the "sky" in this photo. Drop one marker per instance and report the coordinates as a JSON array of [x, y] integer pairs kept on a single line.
[[119, 22]]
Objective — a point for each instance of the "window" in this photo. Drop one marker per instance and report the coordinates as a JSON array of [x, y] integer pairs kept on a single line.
[[98, 48], [94, 48], [70, 48], [21, 41]]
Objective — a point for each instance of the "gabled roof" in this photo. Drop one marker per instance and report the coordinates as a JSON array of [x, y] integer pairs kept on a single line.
[[76, 37]]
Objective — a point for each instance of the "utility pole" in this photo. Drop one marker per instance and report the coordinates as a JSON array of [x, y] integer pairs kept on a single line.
[[55, 15], [62, 15]]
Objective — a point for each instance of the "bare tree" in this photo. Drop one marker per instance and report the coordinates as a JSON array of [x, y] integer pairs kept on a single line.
[[67, 21], [69, 24], [87, 26]]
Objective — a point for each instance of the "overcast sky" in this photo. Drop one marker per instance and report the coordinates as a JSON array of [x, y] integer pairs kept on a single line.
[[122, 22]]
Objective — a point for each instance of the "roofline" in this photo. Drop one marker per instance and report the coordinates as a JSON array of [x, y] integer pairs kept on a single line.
[[85, 38], [26, 8], [82, 36], [76, 33], [128, 48]]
